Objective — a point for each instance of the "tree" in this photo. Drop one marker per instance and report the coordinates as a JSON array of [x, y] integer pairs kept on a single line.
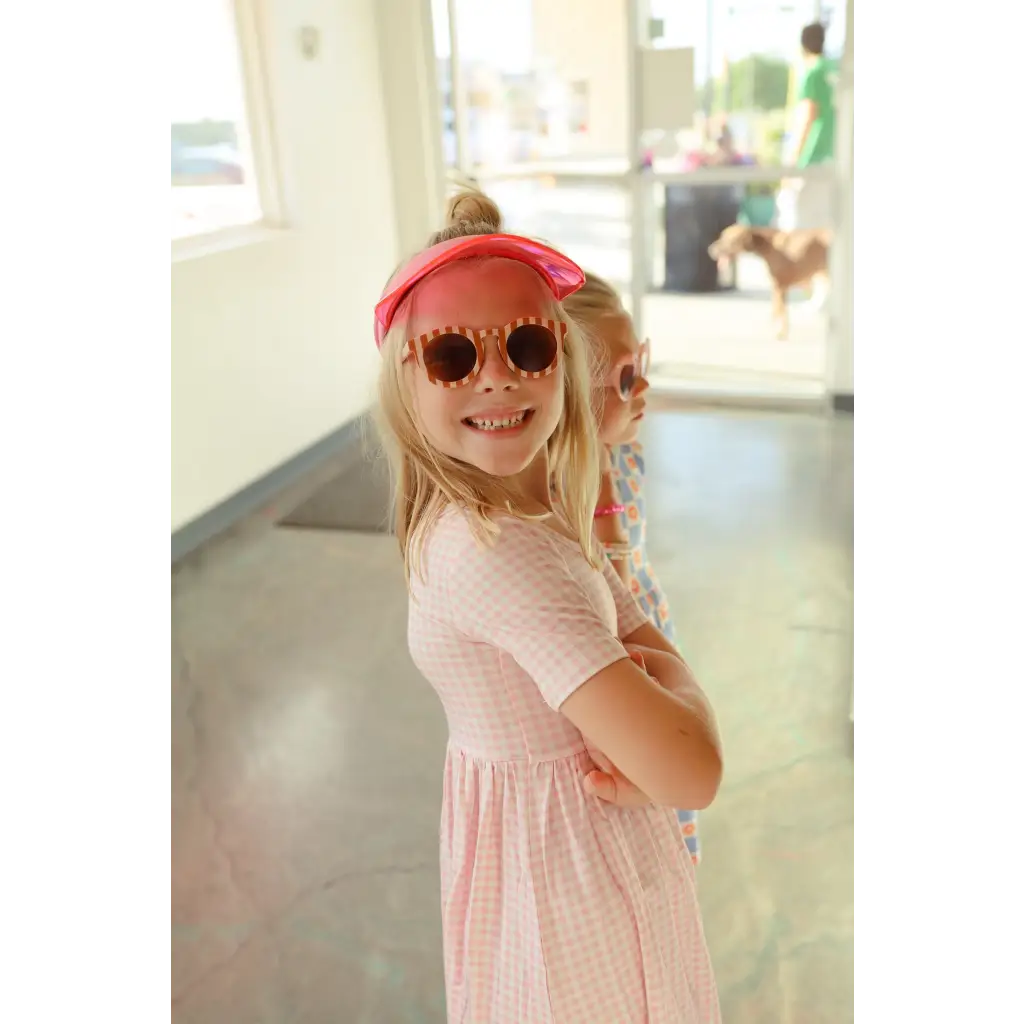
[[204, 133], [753, 83]]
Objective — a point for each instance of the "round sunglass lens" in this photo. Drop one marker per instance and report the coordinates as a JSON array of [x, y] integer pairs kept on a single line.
[[449, 357], [626, 381], [532, 348]]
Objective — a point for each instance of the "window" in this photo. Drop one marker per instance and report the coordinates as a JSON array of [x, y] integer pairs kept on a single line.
[[213, 178]]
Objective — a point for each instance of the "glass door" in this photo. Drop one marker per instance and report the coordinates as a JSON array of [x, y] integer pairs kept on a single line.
[[541, 109], [534, 112], [735, 293]]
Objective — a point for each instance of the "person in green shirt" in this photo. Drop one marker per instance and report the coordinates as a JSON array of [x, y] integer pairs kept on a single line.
[[816, 113], [809, 203]]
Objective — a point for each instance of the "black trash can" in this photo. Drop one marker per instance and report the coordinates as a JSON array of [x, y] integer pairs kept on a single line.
[[694, 217]]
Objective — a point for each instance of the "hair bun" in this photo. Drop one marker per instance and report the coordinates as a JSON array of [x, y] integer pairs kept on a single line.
[[470, 207]]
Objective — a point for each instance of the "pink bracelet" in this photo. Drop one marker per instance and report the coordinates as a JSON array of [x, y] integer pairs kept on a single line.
[[609, 510]]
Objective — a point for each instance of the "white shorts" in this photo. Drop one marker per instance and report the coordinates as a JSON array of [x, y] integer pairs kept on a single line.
[[808, 205]]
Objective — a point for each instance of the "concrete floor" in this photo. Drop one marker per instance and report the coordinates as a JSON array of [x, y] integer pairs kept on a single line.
[[307, 751]]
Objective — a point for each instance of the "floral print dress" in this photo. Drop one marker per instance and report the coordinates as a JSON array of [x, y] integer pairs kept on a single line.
[[628, 481]]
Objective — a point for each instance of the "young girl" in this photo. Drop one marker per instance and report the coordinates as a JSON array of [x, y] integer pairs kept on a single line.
[[567, 892], [621, 520]]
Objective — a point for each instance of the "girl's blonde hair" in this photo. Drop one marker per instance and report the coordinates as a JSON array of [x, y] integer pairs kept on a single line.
[[595, 300], [426, 481]]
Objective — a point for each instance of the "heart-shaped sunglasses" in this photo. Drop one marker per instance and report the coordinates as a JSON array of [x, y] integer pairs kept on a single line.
[[624, 377]]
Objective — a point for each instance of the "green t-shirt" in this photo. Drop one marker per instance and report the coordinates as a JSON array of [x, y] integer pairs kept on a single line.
[[817, 87]]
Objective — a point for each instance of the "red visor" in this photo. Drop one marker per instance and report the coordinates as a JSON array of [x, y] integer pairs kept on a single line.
[[560, 274]]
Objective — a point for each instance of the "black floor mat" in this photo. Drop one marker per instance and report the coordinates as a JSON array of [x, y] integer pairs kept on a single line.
[[358, 500]]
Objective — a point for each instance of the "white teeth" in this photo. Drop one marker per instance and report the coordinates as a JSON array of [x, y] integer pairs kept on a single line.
[[503, 424]]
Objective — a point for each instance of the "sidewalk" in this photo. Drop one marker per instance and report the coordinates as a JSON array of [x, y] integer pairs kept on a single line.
[[727, 339]]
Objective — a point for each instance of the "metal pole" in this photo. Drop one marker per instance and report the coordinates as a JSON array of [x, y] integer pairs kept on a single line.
[[460, 105], [636, 37], [839, 345], [709, 82]]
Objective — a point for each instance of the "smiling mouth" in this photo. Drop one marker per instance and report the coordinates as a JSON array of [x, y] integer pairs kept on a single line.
[[497, 424]]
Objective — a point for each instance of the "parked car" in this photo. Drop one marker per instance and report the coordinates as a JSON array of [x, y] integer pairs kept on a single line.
[[220, 164]]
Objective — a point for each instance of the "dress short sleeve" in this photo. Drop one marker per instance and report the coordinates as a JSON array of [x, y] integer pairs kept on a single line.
[[534, 596]]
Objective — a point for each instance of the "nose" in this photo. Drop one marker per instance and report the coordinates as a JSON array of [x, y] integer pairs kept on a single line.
[[640, 385], [494, 373]]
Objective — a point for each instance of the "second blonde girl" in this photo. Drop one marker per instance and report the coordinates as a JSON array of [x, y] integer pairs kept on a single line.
[[621, 515]]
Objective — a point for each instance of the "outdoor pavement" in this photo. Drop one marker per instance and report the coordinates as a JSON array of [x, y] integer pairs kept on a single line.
[[719, 341]]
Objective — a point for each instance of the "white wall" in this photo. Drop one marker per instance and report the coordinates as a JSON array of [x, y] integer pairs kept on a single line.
[[272, 343]]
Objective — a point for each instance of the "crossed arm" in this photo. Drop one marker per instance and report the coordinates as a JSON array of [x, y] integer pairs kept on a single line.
[[651, 729]]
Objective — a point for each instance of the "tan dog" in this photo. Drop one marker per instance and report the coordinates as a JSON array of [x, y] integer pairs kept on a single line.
[[793, 258]]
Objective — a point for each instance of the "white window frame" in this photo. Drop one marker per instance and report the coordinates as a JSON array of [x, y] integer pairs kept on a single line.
[[250, 22]]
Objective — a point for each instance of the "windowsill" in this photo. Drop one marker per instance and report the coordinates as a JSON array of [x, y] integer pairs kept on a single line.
[[193, 247]]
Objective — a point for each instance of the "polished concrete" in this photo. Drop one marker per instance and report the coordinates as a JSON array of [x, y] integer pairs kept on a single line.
[[307, 751]]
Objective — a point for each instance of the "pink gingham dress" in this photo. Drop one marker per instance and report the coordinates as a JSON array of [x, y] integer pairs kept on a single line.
[[556, 908]]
